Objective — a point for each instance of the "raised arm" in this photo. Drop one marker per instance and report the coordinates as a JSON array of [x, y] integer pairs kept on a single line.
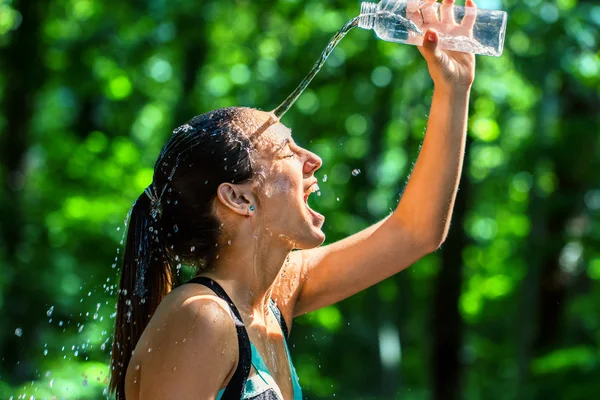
[[420, 223]]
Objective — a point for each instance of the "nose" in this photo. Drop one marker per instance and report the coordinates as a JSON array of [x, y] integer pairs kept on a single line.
[[313, 162]]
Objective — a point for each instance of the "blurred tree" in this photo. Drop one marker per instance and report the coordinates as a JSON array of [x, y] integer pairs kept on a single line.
[[90, 90], [25, 74]]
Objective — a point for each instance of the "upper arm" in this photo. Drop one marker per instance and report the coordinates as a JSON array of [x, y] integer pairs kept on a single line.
[[334, 272], [192, 354]]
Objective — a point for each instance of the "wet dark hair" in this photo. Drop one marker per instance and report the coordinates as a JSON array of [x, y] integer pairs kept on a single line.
[[173, 221]]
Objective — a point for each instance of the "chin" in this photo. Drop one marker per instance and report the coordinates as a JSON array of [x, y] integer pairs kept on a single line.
[[313, 236], [314, 241], [307, 235], [308, 232], [318, 239]]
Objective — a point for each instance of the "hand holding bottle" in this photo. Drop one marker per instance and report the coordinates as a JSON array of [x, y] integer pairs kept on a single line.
[[428, 14], [466, 29], [448, 69]]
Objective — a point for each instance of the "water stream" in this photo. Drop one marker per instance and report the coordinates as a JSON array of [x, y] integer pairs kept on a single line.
[[291, 99]]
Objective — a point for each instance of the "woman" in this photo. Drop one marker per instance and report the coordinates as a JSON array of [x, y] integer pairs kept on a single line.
[[229, 196]]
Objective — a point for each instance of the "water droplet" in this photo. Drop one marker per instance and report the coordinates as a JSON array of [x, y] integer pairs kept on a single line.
[[19, 332], [151, 229], [46, 352], [319, 193], [356, 172], [229, 242], [137, 367], [193, 249], [337, 198], [118, 228], [149, 349], [325, 178], [175, 228], [49, 312], [51, 382]]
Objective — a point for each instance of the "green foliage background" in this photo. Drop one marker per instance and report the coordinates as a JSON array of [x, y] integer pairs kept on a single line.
[[507, 309]]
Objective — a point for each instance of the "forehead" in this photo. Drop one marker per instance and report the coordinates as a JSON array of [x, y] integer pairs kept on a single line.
[[270, 129]]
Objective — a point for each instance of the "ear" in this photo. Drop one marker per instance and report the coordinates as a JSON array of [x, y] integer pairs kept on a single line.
[[237, 197]]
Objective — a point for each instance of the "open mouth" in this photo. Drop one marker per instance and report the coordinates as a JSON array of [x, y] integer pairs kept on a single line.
[[317, 218], [311, 189]]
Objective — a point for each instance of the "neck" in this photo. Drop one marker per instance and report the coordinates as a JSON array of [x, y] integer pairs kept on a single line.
[[247, 267]]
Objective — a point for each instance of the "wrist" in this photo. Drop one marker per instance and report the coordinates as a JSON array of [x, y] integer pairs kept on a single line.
[[452, 90]]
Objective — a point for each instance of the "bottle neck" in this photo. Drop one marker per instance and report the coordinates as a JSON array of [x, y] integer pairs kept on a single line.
[[367, 15]]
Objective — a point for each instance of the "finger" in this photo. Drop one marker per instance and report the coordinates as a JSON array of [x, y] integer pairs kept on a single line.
[[428, 11], [416, 18], [429, 49], [447, 12], [412, 6], [468, 21], [413, 14]]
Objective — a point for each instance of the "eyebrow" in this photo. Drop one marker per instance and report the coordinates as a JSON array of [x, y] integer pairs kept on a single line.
[[285, 143]]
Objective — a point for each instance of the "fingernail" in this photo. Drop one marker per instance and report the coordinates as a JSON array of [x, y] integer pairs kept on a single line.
[[430, 37]]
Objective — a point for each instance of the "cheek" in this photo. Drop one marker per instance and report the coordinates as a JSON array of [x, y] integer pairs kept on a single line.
[[282, 185]]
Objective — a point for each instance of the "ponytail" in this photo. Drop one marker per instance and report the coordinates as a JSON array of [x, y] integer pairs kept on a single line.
[[173, 221], [146, 278]]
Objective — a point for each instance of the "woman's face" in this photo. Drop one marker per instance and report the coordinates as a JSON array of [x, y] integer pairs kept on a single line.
[[285, 178]]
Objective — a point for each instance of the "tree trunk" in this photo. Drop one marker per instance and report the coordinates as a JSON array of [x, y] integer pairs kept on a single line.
[[194, 51], [25, 76], [447, 326], [530, 289], [385, 318]]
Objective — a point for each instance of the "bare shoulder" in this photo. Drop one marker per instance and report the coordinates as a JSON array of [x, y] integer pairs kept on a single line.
[[193, 313], [190, 345]]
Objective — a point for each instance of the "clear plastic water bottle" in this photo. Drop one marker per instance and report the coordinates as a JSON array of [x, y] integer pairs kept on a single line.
[[464, 29]]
